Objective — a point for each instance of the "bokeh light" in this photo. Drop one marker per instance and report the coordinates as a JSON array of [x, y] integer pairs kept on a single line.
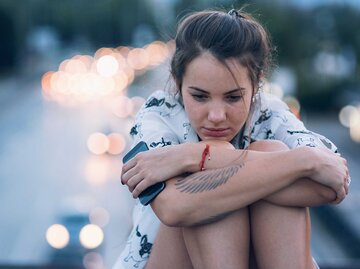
[[99, 216], [93, 260], [98, 143], [122, 106], [137, 102], [85, 78], [107, 66], [138, 58], [273, 88], [157, 52], [346, 114], [97, 170], [102, 52], [117, 143], [91, 236], [57, 236], [355, 125], [46, 84], [293, 104]]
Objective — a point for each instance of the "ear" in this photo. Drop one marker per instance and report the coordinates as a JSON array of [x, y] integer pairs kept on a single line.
[[260, 83], [261, 76]]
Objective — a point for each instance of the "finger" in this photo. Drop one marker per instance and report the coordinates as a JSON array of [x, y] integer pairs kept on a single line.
[[134, 181], [143, 185], [346, 185], [129, 174], [338, 198], [340, 195], [129, 165]]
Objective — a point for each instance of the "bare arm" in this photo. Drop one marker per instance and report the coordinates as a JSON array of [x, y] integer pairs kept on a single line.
[[184, 203], [249, 176], [303, 193]]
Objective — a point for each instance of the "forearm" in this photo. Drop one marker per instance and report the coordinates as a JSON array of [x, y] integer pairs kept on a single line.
[[302, 193], [183, 203]]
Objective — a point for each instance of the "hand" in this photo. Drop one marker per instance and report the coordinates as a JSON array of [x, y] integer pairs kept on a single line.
[[331, 169], [150, 167]]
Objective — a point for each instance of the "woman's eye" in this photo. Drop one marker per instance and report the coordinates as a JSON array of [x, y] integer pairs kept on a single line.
[[233, 98], [199, 97]]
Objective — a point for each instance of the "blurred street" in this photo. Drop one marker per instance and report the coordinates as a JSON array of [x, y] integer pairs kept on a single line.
[[44, 172], [47, 171]]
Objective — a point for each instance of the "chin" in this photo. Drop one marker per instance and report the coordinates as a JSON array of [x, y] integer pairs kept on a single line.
[[226, 139]]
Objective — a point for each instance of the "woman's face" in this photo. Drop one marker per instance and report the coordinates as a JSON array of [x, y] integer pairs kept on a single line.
[[216, 102]]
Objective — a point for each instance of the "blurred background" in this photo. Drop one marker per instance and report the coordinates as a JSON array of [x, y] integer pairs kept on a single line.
[[73, 75]]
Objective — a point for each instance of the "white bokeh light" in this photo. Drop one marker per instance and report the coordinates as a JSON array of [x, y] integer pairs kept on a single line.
[[346, 114], [107, 66], [91, 236], [57, 236]]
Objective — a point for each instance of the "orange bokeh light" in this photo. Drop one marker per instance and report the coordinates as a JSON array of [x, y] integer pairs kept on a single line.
[[97, 170], [102, 52], [117, 143], [138, 58], [122, 106]]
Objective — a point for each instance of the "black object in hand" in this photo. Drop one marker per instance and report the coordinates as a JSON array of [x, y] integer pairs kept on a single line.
[[151, 192]]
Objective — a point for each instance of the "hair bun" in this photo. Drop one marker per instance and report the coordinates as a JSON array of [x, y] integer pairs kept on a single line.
[[235, 13]]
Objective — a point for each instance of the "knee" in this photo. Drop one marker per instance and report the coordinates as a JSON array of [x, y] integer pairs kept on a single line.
[[268, 145]]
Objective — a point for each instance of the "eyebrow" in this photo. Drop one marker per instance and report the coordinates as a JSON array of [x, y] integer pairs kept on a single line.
[[228, 92]]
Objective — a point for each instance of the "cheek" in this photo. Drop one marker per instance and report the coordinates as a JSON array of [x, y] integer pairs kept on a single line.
[[239, 114], [194, 114]]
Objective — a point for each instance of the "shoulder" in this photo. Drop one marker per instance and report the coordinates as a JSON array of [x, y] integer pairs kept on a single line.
[[162, 117], [163, 103], [161, 108], [266, 100], [268, 109], [271, 118]]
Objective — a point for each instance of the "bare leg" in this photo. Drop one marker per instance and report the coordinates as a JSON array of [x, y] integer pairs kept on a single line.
[[280, 235], [169, 250], [222, 244]]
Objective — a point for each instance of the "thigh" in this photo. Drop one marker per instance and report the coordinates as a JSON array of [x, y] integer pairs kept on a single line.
[[222, 244], [169, 250], [280, 236]]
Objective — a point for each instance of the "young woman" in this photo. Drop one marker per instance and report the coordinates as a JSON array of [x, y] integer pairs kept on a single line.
[[240, 169]]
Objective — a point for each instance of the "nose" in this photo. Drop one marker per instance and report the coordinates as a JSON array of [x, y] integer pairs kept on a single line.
[[217, 114]]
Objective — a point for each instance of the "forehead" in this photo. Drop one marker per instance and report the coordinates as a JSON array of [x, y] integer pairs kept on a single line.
[[207, 72]]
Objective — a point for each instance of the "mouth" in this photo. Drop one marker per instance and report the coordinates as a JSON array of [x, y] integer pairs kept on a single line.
[[216, 132]]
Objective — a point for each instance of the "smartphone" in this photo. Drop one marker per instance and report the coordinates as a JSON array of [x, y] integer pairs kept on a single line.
[[151, 192]]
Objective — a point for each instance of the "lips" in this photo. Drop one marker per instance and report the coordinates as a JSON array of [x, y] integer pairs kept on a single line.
[[216, 132]]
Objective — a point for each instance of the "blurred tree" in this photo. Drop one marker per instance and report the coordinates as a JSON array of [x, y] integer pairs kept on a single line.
[[7, 44], [103, 23]]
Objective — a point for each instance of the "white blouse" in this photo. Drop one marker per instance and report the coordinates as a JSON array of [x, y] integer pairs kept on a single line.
[[162, 121]]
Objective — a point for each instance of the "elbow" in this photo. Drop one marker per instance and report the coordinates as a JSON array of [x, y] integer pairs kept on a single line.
[[169, 217], [170, 213]]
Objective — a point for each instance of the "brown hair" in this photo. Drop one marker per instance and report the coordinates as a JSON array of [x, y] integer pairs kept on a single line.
[[225, 35]]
